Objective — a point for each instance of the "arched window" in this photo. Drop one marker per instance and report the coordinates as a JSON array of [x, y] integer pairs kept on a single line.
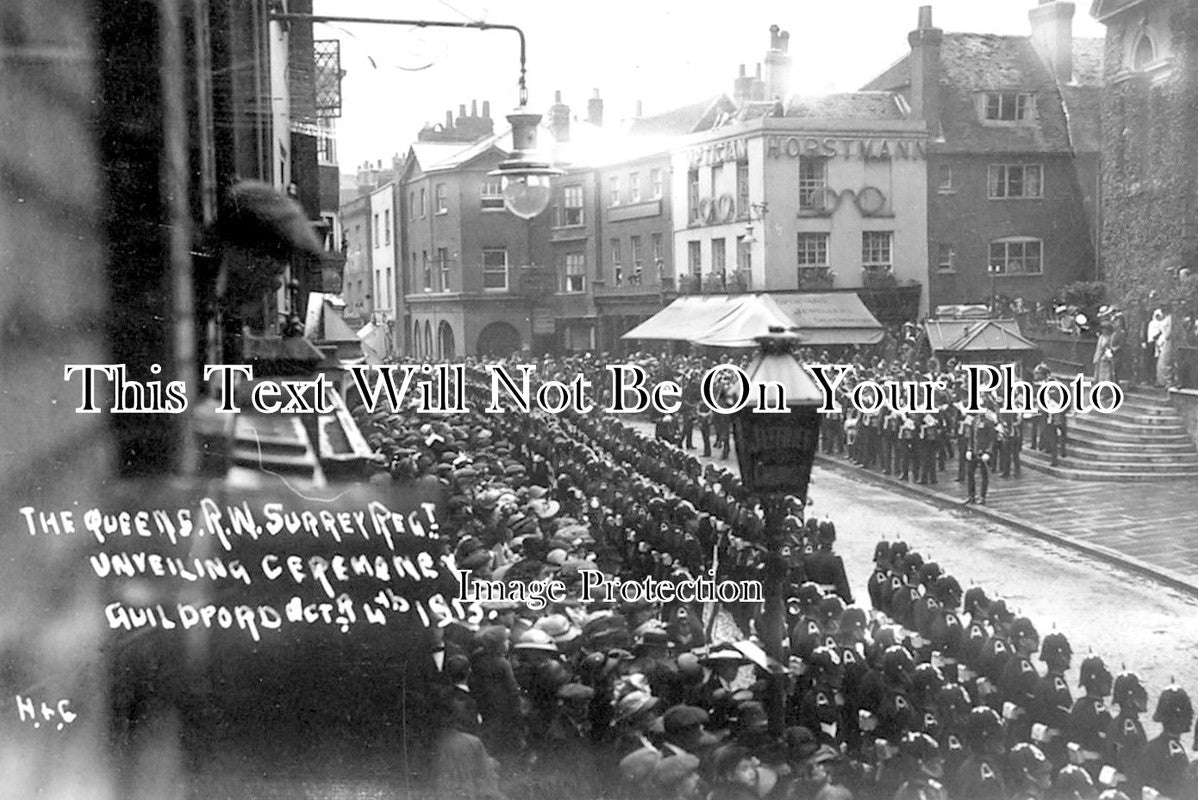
[[1144, 54]]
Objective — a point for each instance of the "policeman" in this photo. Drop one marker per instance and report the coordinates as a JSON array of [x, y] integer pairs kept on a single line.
[[980, 776], [1163, 761], [821, 708], [952, 709], [1073, 783]]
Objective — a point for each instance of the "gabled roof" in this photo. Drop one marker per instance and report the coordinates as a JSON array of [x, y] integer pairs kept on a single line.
[[1102, 9], [1067, 116], [685, 119], [966, 335], [866, 105]]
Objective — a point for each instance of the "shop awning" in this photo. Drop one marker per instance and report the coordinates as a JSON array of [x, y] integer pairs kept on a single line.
[[713, 320], [834, 318], [976, 335]]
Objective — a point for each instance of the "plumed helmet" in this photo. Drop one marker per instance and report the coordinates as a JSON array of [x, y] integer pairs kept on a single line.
[[1030, 759], [882, 551], [1094, 676], [1129, 691], [897, 660], [1056, 646], [899, 550], [1173, 706], [983, 725], [920, 746], [1074, 782]]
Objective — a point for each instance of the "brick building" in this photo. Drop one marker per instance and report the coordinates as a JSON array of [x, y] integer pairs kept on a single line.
[[1150, 148], [1012, 170]]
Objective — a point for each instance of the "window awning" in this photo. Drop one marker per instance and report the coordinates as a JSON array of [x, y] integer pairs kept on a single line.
[[713, 320], [833, 318]]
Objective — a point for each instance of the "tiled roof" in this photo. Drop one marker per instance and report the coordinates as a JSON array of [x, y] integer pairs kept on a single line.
[[1067, 117], [847, 105], [431, 154], [677, 121]]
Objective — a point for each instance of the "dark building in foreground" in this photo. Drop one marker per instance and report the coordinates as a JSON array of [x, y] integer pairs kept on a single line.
[[1013, 155]]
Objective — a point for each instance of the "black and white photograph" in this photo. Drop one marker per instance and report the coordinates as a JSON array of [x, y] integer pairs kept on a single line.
[[467, 400]]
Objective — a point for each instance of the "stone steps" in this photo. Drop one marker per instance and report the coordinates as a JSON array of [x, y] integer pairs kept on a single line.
[[1144, 440], [1073, 469]]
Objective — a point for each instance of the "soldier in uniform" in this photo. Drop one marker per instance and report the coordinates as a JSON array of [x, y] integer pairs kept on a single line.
[[932, 435], [1089, 720], [1126, 733], [979, 445], [825, 567], [924, 767], [1163, 762], [821, 708], [952, 711], [1053, 701], [1030, 772], [980, 776], [1019, 679], [908, 431]]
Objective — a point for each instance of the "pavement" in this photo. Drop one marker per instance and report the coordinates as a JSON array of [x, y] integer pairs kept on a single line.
[[1148, 528]]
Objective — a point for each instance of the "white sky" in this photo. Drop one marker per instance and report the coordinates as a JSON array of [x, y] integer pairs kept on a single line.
[[662, 52]]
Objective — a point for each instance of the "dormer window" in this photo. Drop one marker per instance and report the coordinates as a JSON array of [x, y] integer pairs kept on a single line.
[[1007, 107], [1144, 54]]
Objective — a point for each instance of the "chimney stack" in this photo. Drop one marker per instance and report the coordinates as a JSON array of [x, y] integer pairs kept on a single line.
[[742, 88], [448, 120], [925, 43], [1052, 36], [559, 119], [639, 109], [595, 110], [486, 109], [777, 65]]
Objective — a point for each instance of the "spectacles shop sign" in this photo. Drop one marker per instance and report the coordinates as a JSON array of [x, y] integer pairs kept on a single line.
[[880, 147]]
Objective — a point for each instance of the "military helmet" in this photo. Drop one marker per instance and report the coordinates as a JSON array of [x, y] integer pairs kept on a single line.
[[1093, 675], [1129, 691], [830, 608], [920, 746], [1074, 783], [1030, 759], [1174, 705], [975, 599], [1055, 645], [926, 679], [983, 725], [952, 697], [897, 660]]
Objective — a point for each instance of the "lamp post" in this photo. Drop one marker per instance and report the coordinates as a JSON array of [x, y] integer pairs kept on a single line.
[[776, 441]]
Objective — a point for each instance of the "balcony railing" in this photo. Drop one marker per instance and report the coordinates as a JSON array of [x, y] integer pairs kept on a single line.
[[734, 282], [634, 288]]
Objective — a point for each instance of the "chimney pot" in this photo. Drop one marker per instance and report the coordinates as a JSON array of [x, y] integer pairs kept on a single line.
[[638, 108], [486, 109], [448, 120], [474, 108], [557, 96], [742, 70], [462, 110], [925, 17], [758, 70]]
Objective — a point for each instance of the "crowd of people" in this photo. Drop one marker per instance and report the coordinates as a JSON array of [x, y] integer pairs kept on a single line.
[[928, 692]]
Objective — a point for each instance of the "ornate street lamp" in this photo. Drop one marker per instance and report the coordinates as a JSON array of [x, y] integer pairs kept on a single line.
[[776, 444], [526, 178]]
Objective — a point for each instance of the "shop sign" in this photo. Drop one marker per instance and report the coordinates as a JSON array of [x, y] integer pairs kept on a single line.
[[720, 152], [833, 147]]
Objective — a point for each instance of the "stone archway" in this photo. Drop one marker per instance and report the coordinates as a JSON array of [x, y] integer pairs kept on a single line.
[[499, 339], [446, 346]]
